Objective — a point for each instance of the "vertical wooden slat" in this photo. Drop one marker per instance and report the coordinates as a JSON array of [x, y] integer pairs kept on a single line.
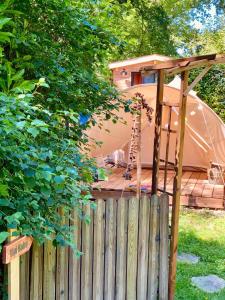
[[144, 216], [177, 185], [13, 273], [62, 273], [49, 279], [158, 120], [121, 249], [36, 279], [24, 276], [110, 249], [132, 248], [86, 261], [164, 245], [153, 248], [75, 262], [98, 260], [62, 267]]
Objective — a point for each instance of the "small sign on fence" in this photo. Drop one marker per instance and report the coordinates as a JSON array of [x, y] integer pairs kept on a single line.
[[11, 253], [16, 248]]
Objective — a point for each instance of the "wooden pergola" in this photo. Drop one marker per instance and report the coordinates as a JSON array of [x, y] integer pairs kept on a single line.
[[177, 66]]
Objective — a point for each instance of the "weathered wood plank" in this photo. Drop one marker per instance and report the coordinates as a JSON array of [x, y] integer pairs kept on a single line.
[[24, 276], [75, 262], [153, 248], [110, 249], [37, 265], [62, 268], [208, 190], [190, 185], [132, 248], [164, 245], [144, 216], [121, 249], [98, 259], [49, 271], [202, 202], [218, 191], [86, 261]]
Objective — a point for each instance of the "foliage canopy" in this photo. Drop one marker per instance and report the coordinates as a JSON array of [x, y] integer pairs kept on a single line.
[[48, 84]]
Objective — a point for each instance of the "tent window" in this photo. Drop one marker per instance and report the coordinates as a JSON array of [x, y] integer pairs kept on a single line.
[[138, 78], [149, 78]]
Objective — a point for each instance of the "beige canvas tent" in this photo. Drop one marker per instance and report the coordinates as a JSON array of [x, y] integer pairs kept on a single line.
[[204, 136]]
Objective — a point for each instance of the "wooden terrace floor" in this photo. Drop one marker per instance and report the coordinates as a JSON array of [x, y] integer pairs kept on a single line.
[[196, 190]]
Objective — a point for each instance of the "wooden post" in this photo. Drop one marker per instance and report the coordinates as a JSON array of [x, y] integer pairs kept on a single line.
[[13, 273], [139, 151], [158, 119], [177, 185]]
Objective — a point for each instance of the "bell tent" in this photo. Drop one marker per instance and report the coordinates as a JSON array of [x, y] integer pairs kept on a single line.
[[204, 142]]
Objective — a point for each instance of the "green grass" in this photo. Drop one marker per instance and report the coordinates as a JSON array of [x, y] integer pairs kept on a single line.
[[202, 232]]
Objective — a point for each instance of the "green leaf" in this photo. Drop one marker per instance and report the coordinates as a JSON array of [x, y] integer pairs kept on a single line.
[[14, 219], [46, 190], [45, 175], [20, 124], [38, 122], [44, 129], [4, 190], [25, 86], [3, 236], [5, 37], [33, 131], [42, 83], [4, 21], [4, 202], [29, 172], [18, 75], [59, 179]]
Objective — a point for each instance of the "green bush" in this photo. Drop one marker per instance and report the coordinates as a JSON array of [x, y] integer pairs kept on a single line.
[[48, 60]]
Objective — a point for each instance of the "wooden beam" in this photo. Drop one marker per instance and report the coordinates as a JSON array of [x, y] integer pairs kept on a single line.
[[196, 64], [158, 121], [180, 62], [197, 79], [177, 185]]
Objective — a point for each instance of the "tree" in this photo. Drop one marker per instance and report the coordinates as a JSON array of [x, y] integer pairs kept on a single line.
[[48, 86]]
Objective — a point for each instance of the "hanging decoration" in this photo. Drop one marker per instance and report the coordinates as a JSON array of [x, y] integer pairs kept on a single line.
[[139, 104]]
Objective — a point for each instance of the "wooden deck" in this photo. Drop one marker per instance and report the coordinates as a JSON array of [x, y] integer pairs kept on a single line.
[[196, 190]]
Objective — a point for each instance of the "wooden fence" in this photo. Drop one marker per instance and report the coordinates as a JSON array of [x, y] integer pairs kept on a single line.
[[125, 256]]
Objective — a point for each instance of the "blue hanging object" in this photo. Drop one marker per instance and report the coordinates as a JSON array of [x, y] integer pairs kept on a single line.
[[83, 119]]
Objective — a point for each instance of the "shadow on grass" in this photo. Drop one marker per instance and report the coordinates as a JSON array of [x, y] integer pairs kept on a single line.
[[212, 261]]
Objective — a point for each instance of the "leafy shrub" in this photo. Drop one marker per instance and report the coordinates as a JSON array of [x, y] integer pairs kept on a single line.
[[45, 89]]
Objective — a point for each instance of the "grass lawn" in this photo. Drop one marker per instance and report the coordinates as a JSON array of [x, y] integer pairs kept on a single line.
[[202, 232]]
